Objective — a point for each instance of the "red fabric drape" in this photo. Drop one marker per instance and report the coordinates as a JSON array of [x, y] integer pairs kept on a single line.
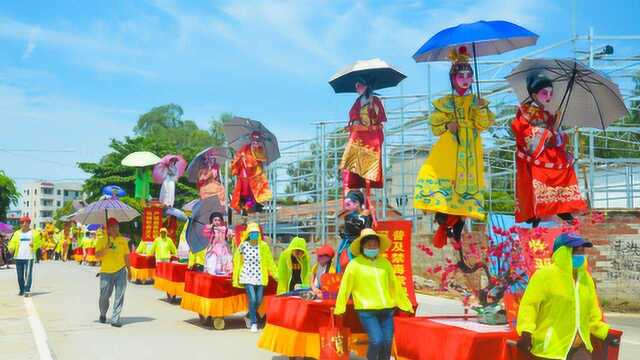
[[440, 237], [171, 271], [142, 262], [212, 287], [308, 316]]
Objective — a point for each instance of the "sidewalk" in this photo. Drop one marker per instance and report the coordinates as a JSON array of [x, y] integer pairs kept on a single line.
[[16, 338]]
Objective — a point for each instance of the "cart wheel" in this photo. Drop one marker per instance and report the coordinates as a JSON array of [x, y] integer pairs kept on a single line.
[[170, 298], [218, 323]]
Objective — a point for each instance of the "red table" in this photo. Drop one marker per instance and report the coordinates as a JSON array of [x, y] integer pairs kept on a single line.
[[142, 267], [420, 338], [293, 327], [215, 297], [169, 277]]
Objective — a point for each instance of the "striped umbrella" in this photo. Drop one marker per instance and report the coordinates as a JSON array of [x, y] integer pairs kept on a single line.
[[98, 212]]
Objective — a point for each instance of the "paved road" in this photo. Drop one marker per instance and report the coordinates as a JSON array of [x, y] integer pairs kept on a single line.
[[65, 303]]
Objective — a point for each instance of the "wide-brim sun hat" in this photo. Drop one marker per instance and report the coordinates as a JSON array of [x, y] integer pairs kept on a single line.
[[385, 243]]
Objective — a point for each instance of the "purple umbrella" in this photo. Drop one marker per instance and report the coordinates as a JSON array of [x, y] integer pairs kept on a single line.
[[5, 228], [161, 169]]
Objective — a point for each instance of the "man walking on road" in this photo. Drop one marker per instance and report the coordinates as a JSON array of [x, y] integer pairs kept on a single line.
[[23, 244], [113, 252]]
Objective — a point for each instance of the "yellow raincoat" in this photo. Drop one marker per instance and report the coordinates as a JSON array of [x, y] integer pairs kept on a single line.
[[451, 180], [555, 309], [284, 265], [14, 243], [373, 286], [267, 265]]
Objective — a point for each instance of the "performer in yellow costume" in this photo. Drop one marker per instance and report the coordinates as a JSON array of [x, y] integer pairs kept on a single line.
[[450, 181]]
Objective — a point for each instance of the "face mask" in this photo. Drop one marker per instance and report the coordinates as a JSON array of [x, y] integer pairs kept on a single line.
[[578, 260], [253, 236], [371, 253]]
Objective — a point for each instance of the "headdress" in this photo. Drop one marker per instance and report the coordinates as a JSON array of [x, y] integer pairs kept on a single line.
[[459, 55]]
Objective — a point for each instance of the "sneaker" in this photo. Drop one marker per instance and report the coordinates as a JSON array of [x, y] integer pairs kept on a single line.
[[21, 293], [254, 328], [247, 322], [116, 324], [27, 294], [103, 319]]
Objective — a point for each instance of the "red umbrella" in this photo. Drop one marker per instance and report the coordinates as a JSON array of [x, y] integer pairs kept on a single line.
[[164, 167]]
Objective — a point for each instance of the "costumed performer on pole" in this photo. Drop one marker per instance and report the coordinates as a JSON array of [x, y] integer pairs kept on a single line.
[[451, 180], [546, 181], [355, 219], [218, 260], [252, 190]]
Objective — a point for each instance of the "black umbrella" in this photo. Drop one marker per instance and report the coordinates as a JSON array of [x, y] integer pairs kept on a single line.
[[238, 132], [199, 219], [199, 161], [377, 74]]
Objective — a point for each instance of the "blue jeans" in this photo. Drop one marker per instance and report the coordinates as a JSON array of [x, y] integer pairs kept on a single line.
[[379, 327], [25, 272], [109, 281], [254, 296]]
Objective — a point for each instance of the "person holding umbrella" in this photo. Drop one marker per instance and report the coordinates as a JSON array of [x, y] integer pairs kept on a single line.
[[113, 252], [546, 181], [361, 162], [451, 180], [252, 187], [23, 245]]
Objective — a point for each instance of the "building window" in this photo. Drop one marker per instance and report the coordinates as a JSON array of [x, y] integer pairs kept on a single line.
[[66, 193], [59, 192], [46, 202], [46, 213], [47, 191], [58, 203], [35, 191], [27, 203]]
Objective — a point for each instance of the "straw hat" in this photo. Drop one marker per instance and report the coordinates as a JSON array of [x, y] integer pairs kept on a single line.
[[385, 243]]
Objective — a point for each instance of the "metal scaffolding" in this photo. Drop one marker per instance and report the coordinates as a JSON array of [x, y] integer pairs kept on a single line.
[[306, 180]]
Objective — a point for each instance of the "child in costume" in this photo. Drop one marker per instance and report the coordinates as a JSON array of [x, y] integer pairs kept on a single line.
[[218, 259], [546, 182], [355, 220]]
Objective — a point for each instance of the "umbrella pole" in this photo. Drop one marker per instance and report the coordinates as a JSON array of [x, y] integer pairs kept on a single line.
[[567, 95], [475, 66]]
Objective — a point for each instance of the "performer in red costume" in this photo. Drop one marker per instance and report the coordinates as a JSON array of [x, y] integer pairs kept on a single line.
[[546, 182]]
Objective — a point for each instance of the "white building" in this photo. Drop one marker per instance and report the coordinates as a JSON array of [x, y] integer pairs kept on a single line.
[[41, 199]]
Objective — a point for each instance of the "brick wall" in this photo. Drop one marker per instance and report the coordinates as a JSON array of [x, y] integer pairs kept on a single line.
[[614, 260], [615, 257]]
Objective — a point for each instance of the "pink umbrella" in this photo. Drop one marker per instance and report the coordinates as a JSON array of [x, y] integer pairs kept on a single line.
[[161, 169]]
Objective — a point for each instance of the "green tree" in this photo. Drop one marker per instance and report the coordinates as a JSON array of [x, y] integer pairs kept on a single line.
[[160, 131], [9, 195], [66, 209], [165, 116]]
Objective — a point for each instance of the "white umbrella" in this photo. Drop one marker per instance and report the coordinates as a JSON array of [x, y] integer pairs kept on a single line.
[[585, 97], [376, 72], [140, 159], [101, 210]]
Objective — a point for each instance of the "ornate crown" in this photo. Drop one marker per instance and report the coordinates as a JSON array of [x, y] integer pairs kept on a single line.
[[459, 55]]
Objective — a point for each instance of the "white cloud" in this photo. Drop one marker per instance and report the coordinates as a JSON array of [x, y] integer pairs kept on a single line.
[[31, 43]]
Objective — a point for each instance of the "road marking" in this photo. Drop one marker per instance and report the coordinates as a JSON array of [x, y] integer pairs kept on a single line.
[[630, 342], [39, 335]]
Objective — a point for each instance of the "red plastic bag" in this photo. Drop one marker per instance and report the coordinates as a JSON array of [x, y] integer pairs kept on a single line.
[[334, 341]]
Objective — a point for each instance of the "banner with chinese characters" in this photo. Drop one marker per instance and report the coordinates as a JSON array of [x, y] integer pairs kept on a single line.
[[538, 246], [399, 254], [151, 223]]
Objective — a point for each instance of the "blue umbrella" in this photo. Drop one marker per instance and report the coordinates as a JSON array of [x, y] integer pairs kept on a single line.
[[482, 37], [93, 227], [113, 190]]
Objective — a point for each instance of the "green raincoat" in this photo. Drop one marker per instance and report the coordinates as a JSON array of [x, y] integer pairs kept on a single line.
[[284, 265], [555, 309]]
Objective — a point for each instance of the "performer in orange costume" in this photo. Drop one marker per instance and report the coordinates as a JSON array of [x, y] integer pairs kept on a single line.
[[546, 182], [252, 187]]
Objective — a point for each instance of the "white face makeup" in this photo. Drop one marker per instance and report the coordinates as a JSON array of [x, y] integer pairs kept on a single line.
[[360, 88], [544, 95], [463, 79], [351, 205]]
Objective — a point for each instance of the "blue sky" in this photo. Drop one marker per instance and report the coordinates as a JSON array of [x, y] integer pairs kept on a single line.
[[74, 74]]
